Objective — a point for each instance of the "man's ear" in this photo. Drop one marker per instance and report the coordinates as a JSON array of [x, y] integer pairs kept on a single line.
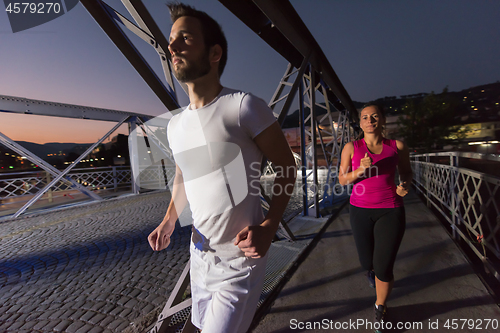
[[215, 53]]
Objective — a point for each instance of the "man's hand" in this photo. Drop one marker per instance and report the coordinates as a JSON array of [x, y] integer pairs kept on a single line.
[[254, 241], [402, 189], [159, 239]]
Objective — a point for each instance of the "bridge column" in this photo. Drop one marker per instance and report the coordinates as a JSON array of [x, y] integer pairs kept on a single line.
[[134, 159], [455, 220], [427, 178]]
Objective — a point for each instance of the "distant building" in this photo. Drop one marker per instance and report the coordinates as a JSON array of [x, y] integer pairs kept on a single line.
[[479, 109]]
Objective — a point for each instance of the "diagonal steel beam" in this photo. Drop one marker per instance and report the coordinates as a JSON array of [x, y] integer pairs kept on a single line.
[[142, 17], [8, 142], [277, 23], [293, 91], [98, 10], [28, 106], [174, 302], [68, 169]]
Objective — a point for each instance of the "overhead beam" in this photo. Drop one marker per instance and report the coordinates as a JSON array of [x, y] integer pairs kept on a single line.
[[103, 15], [279, 25], [146, 22], [21, 105]]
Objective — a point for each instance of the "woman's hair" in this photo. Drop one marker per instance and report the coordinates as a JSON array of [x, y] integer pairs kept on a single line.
[[212, 31], [381, 110]]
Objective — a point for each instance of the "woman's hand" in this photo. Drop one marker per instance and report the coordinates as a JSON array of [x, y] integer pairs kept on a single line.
[[366, 162], [402, 189]]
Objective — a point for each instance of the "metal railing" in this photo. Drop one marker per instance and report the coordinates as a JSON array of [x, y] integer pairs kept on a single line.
[[16, 185], [469, 200]]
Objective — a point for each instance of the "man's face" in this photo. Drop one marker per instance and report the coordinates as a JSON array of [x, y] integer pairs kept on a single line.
[[190, 57]]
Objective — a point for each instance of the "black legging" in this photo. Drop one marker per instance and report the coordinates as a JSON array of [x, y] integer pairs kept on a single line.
[[378, 233]]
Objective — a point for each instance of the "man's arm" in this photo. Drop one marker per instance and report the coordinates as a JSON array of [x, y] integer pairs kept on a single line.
[[256, 240], [159, 239]]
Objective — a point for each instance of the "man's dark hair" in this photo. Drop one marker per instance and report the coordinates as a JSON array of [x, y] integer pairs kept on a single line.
[[212, 31]]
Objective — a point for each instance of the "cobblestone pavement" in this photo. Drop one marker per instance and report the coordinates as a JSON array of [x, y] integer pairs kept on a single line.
[[89, 268]]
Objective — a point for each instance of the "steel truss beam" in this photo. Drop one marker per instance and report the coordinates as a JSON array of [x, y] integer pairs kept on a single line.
[[280, 26], [11, 144], [21, 105], [67, 170], [330, 135], [146, 23], [174, 303], [108, 20]]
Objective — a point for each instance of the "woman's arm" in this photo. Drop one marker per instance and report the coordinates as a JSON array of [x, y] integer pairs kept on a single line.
[[404, 169], [346, 176]]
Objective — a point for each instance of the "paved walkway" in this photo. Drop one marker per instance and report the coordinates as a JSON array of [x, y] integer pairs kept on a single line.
[[434, 285], [90, 269]]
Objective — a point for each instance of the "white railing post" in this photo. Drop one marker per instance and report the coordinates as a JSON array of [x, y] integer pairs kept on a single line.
[[427, 180], [49, 192], [453, 202], [115, 179]]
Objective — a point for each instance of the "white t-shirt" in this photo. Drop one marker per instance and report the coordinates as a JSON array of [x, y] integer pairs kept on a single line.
[[214, 148]]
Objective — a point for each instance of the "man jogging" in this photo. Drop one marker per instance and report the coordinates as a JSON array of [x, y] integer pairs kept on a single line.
[[218, 142]]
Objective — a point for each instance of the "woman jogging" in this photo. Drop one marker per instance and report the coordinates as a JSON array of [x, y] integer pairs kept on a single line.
[[377, 213]]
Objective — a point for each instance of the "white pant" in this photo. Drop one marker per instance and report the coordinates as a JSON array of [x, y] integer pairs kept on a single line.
[[224, 291]]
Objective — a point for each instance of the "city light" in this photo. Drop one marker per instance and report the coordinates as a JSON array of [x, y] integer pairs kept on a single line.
[[482, 142]]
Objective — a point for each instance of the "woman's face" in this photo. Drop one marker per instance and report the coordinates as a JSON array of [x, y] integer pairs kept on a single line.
[[371, 120]]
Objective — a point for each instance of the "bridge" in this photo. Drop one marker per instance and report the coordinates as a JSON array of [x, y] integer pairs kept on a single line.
[[87, 267]]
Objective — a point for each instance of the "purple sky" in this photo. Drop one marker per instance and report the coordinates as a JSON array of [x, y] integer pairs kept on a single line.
[[377, 48]]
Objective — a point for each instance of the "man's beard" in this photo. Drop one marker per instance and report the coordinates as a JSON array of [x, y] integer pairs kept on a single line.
[[193, 70]]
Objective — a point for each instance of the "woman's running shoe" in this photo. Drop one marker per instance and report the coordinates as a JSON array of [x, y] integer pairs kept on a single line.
[[380, 312]]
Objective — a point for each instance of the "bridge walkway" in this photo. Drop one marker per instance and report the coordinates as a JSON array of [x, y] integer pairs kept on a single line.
[[89, 269], [434, 283]]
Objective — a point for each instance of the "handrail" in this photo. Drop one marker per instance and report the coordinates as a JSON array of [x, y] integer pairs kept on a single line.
[[468, 200], [478, 156]]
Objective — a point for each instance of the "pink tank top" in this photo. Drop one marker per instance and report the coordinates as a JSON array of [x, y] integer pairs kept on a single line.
[[376, 188]]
